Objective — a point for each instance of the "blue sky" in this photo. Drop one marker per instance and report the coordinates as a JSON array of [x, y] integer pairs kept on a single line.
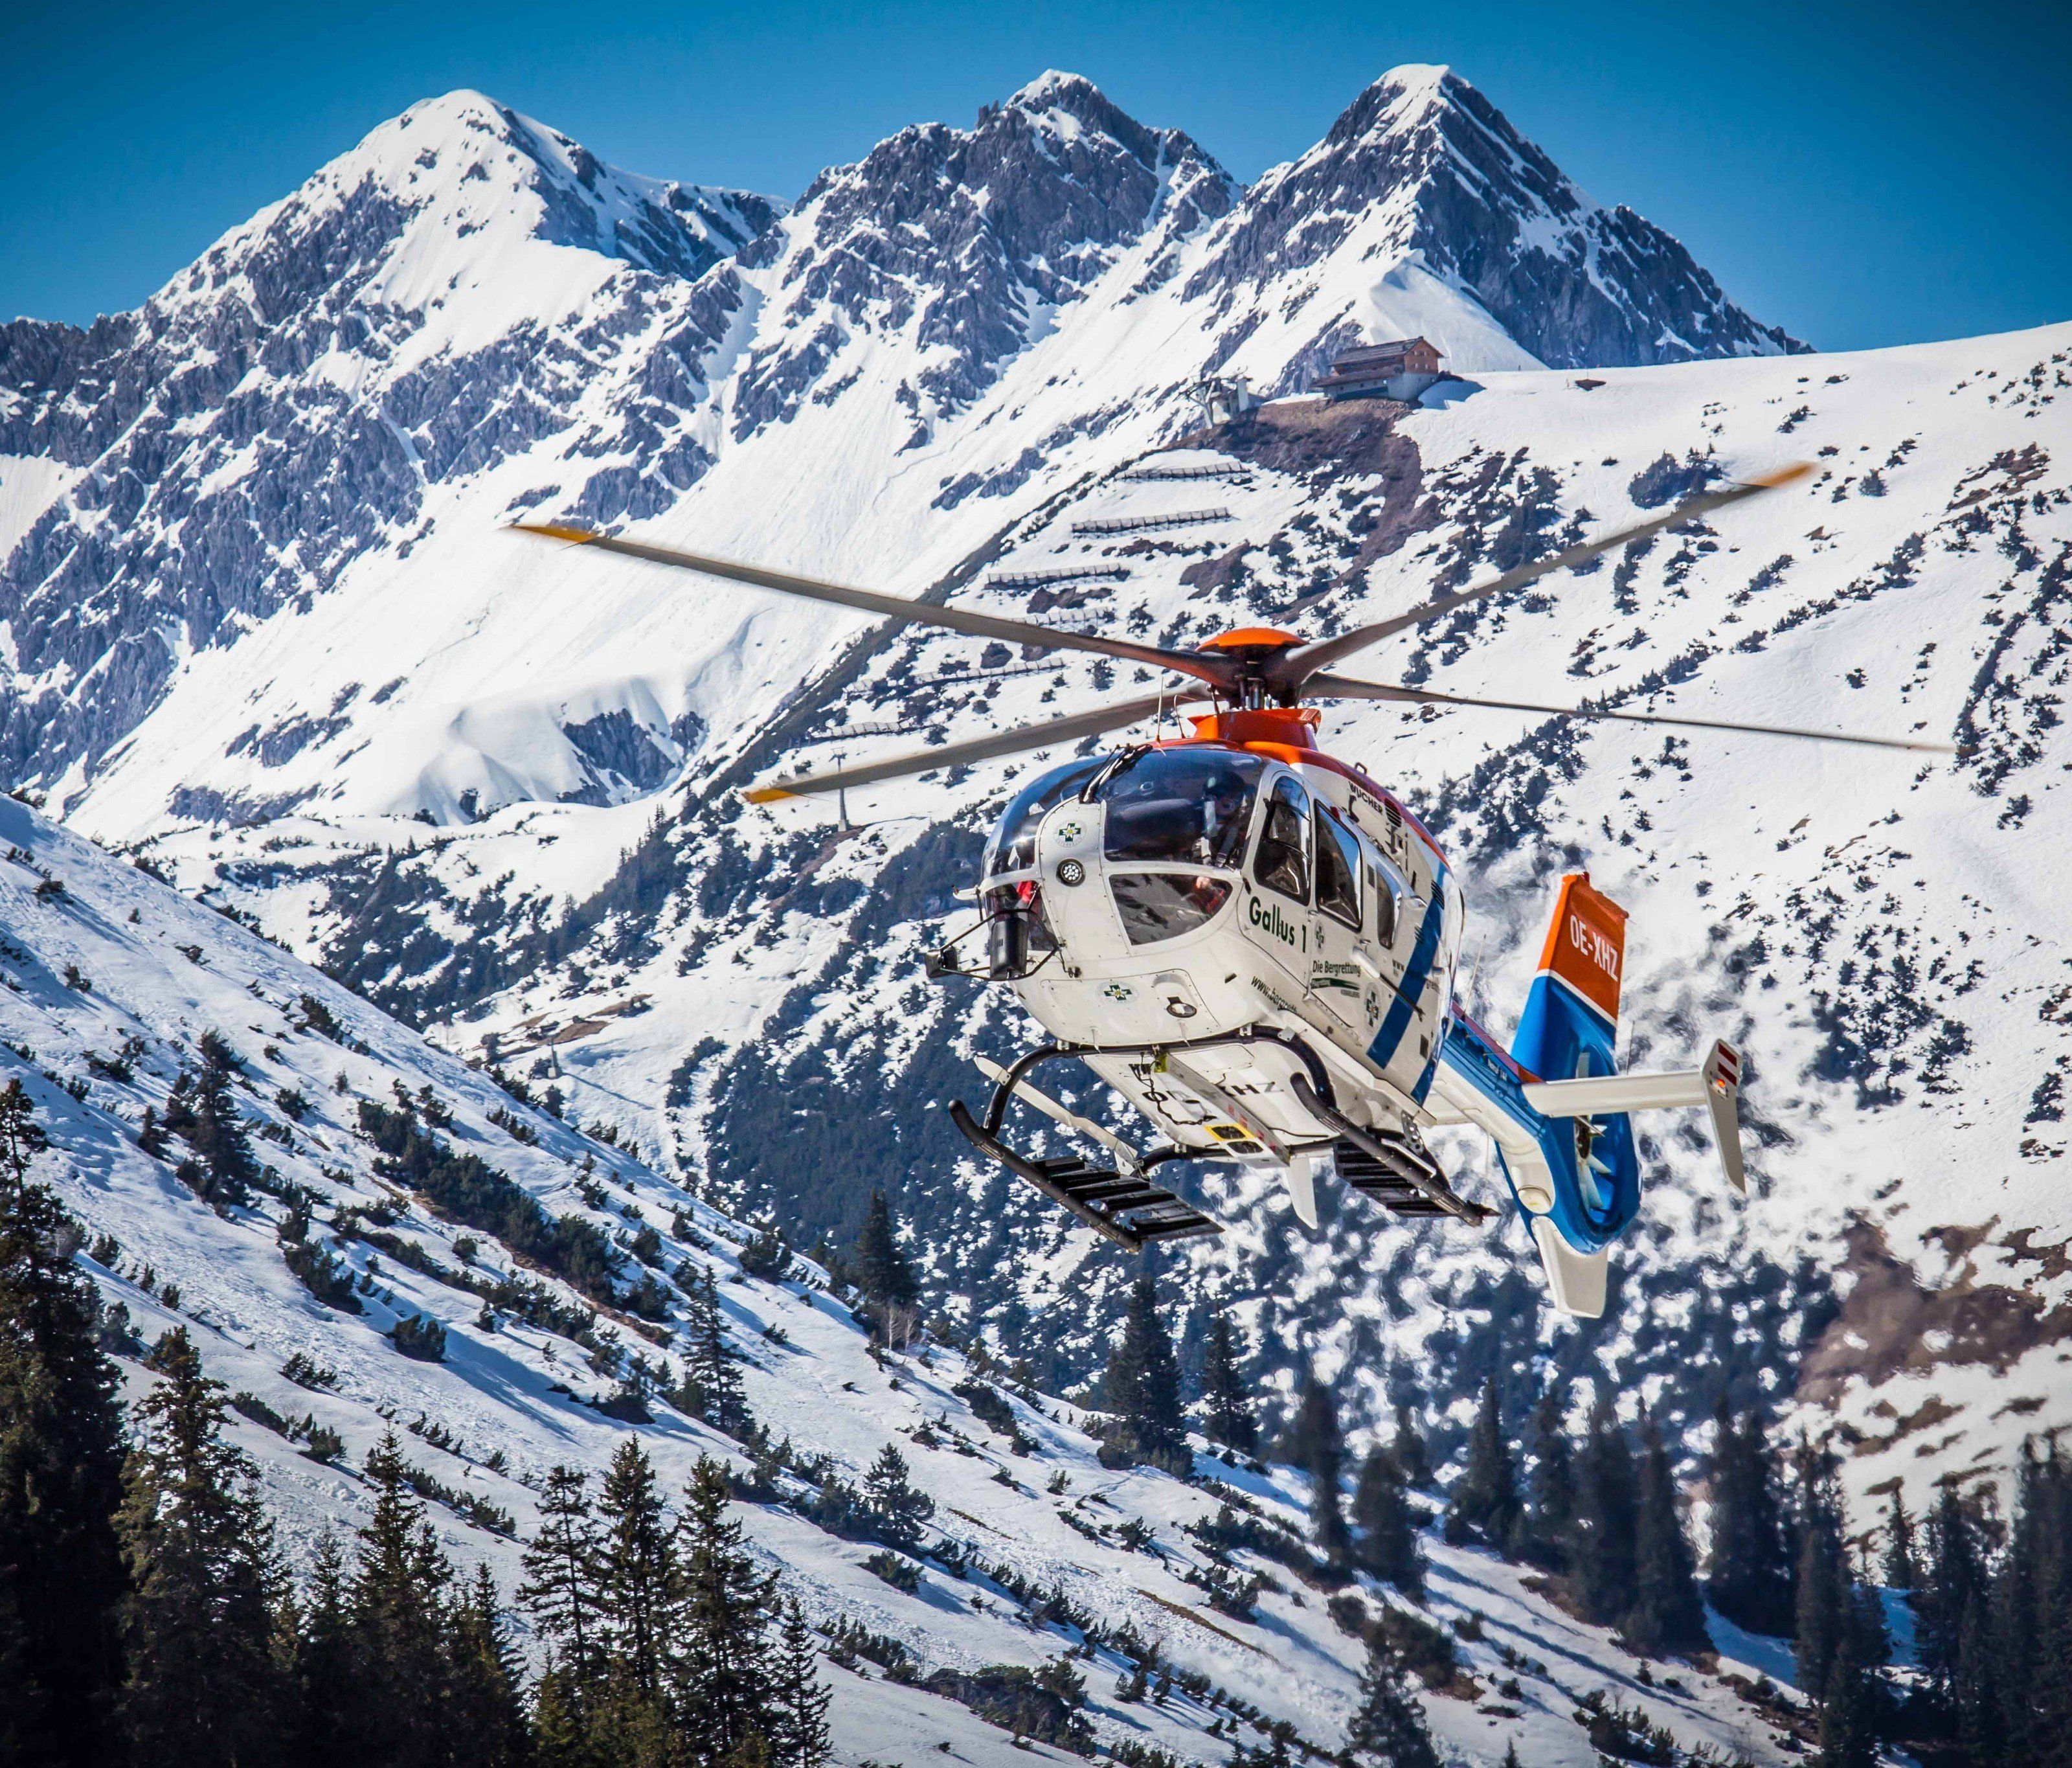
[[1861, 175]]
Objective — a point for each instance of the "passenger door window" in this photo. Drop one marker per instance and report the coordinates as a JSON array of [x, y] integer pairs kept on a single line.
[[1338, 869], [1382, 889], [1282, 863]]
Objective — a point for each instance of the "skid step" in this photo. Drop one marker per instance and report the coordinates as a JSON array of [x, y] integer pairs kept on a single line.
[[1383, 1183], [1125, 1207]]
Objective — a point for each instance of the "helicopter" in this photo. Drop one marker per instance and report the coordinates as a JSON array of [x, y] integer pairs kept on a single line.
[[1256, 944]]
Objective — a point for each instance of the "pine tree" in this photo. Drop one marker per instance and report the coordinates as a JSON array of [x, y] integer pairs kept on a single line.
[[1388, 1729], [22, 1137], [1953, 1587], [60, 1477], [1408, 1447], [1899, 1567], [1749, 1575], [486, 1681], [1975, 1690], [1143, 1380], [562, 1589], [640, 1582], [1552, 1520], [203, 1110], [1821, 1607], [563, 1737], [799, 1737], [727, 1677], [1666, 1614], [323, 1704], [1231, 1418], [397, 1599], [879, 1267], [899, 1509], [2026, 1615], [2042, 1534], [198, 1623], [1389, 1549], [1847, 1737], [1485, 1501], [1601, 1553], [1314, 1443], [712, 1385]]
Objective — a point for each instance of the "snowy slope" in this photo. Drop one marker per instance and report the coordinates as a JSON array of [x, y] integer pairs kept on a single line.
[[504, 1404], [1866, 926], [302, 447], [928, 395]]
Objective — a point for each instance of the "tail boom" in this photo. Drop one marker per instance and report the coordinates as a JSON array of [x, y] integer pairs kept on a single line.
[[1558, 1109]]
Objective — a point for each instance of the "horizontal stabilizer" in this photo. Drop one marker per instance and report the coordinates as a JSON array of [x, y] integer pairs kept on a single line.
[[1575, 1280], [1716, 1085], [1600, 1095]]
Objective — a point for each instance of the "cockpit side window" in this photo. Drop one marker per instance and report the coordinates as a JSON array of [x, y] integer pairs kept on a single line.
[[1338, 869], [1012, 848], [1282, 862], [1384, 890]]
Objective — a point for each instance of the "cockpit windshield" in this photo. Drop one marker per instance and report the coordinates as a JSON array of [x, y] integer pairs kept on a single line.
[[1182, 806], [1012, 848]]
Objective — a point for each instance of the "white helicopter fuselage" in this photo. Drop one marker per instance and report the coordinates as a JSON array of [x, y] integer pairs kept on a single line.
[[1346, 948], [1255, 944]]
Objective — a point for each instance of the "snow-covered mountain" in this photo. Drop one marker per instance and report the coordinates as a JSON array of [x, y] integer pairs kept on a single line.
[[468, 316], [112, 980], [1423, 175], [263, 624], [427, 305]]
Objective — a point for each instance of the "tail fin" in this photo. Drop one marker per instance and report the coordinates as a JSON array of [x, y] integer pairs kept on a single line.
[[1574, 1004], [1569, 1031]]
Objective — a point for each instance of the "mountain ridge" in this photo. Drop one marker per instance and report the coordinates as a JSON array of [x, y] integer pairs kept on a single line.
[[487, 780], [443, 298]]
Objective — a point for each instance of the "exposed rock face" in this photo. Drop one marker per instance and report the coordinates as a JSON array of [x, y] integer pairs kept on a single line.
[[467, 287], [280, 408], [1580, 286], [257, 489], [957, 241]]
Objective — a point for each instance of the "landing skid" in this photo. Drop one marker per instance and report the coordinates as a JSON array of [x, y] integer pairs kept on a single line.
[[1393, 1171], [1122, 1203], [1127, 1208]]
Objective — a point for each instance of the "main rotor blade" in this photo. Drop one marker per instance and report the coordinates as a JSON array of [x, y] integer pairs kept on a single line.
[[958, 754], [1289, 671], [1340, 688], [1213, 670]]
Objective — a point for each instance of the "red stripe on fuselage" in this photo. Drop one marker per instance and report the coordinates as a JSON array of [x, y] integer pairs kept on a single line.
[[1477, 1029]]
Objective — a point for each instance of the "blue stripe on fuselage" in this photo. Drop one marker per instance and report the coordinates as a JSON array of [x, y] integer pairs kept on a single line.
[[1411, 989]]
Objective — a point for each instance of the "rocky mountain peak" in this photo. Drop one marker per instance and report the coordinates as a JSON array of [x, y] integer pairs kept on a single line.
[[1423, 168], [959, 237], [467, 163], [421, 307]]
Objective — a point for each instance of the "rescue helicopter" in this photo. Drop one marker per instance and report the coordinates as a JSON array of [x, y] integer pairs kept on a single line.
[[1256, 944]]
